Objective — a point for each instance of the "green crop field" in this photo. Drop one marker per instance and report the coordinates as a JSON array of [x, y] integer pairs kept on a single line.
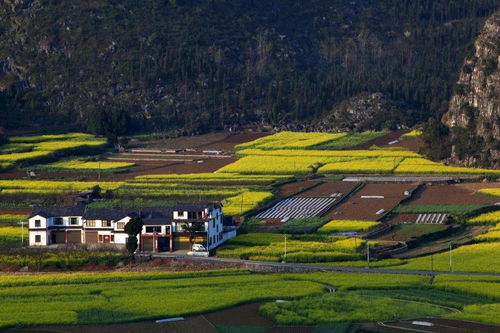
[[101, 298], [271, 247], [457, 210], [482, 257]]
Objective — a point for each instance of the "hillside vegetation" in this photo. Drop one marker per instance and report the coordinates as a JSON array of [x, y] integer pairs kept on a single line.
[[116, 66]]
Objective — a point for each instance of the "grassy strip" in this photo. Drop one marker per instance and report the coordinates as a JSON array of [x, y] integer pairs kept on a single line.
[[348, 141], [458, 210], [302, 225]]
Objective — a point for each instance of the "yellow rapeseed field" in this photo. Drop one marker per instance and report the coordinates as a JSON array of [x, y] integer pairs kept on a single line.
[[486, 218], [208, 177], [22, 185], [89, 165], [244, 202], [423, 166], [370, 165], [493, 192], [291, 140], [348, 226], [413, 134], [350, 154]]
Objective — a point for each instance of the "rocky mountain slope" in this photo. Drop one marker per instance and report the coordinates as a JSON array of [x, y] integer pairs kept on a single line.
[[474, 110]]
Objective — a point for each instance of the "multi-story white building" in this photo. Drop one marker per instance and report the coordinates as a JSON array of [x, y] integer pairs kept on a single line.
[[165, 229]]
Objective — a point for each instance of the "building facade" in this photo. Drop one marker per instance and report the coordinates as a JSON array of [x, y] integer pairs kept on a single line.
[[165, 229]]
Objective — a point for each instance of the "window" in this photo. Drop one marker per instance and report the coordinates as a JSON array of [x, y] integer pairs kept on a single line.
[[90, 223], [58, 221], [73, 220], [106, 223], [100, 238], [195, 215], [150, 230], [120, 225], [112, 238], [38, 223], [38, 238]]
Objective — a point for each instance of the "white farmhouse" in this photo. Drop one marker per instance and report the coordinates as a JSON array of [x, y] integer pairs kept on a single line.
[[165, 229]]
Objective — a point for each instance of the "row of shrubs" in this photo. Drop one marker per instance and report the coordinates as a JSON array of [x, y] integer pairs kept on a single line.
[[41, 259]]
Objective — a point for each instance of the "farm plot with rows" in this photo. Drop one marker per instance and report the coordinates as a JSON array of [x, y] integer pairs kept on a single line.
[[372, 202], [450, 194], [335, 189], [297, 207]]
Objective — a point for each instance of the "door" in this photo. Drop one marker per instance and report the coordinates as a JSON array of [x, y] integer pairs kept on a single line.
[[90, 237], [58, 237], [163, 244], [74, 237], [147, 244], [106, 239], [182, 243]]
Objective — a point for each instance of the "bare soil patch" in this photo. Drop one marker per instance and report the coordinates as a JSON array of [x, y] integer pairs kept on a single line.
[[141, 168], [292, 188], [17, 211], [459, 194], [191, 324], [183, 142], [441, 325], [327, 189], [366, 208], [382, 141], [413, 144], [243, 315]]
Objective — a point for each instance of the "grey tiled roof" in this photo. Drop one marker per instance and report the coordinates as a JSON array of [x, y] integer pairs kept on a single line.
[[56, 211]]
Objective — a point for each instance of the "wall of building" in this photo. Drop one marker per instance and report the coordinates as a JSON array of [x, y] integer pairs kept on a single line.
[[43, 237]]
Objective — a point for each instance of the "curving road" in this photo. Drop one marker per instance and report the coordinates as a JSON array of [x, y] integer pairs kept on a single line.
[[306, 267]]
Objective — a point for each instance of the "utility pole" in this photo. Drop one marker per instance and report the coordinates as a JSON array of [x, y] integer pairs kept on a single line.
[[284, 257], [450, 257], [368, 252], [22, 223], [241, 205]]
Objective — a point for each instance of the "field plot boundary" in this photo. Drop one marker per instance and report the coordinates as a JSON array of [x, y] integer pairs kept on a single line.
[[308, 207]]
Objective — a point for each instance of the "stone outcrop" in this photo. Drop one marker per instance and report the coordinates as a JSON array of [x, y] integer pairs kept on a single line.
[[474, 111]]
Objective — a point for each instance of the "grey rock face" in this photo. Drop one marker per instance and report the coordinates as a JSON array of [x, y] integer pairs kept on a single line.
[[475, 106]]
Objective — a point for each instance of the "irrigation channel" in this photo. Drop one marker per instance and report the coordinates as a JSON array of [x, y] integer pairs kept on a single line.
[[278, 267]]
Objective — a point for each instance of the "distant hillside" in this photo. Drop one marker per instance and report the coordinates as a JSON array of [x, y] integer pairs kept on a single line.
[[115, 66]]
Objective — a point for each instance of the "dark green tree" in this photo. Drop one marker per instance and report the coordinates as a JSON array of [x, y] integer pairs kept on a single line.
[[133, 228]]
